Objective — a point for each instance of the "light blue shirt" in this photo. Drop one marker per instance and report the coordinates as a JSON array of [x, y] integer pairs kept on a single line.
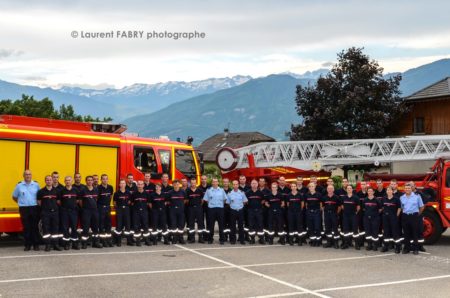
[[411, 204], [26, 193], [215, 197], [236, 199]]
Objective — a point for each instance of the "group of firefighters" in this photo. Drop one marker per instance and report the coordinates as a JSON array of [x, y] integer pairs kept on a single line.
[[149, 213]]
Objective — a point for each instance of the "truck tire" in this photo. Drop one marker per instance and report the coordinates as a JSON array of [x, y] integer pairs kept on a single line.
[[432, 226]]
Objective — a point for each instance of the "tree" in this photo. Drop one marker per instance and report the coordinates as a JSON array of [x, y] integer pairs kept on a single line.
[[28, 106], [352, 101]]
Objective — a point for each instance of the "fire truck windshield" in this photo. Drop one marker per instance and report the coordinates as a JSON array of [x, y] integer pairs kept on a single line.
[[184, 161]]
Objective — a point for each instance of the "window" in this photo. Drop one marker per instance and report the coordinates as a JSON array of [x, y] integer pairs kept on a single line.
[[184, 161], [419, 125], [447, 178], [164, 156], [144, 160]]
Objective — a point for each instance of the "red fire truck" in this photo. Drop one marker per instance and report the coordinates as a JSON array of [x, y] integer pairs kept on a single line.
[[46, 145], [292, 159]]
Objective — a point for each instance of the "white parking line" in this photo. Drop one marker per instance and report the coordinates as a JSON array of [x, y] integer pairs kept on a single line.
[[317, 261], [254, 272], [384, 283], [127, 252], [113, 274], [358, 286]]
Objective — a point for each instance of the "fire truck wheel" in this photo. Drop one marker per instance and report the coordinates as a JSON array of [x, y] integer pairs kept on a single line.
[[432, 226]]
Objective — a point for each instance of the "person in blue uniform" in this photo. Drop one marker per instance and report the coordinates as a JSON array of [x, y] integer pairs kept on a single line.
[[412, 207], [372, 209], [424, 198], [351, 206], [68, 210], [295, 206], [390, 218], [216, 197], [226, 210], [275, 202], [331, 206], [194, 197], [47, 198], [24, 195], [236, 199], [122, 203]]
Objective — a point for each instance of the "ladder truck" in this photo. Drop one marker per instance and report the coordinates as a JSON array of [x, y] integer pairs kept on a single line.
[[304, 158]]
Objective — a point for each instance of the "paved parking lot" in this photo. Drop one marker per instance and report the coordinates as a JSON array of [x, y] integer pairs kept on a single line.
[[201, 270]]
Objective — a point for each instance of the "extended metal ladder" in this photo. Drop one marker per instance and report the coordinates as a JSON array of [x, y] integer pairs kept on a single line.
[[316, 155]]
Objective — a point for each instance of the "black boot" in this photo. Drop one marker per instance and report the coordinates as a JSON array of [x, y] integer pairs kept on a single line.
[[191, 238], [97, 243], [421, 248], [76, 245], [130, 241], [138, 241], [252, 240], [283, 240], [47, 247], [357, 243], [369, 245], [147, 241], [166, 239], [375, 246], [83, 244], [344, 243], [385, 247], [109, 241], [66, 245], [291, 240], [336, 243], [200, 238], [398, 248], [154, 239], [56, 245], [119, 241], [328, 244], [261, 240], [174, 238], [181, 239], [270, 240]]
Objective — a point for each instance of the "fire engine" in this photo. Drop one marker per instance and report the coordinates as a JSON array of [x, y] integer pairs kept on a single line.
[[47, 145], [295, 158]]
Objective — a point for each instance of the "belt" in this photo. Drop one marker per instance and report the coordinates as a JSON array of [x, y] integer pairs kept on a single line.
[[237, 210], [413, 213]]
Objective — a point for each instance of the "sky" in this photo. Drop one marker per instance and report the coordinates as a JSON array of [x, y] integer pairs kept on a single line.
[[257, 38]]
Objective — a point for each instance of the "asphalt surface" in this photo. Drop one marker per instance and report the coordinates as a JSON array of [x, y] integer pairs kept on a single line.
[[202, 270]]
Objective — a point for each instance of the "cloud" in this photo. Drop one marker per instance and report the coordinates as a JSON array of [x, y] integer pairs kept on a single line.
[[327, 64]]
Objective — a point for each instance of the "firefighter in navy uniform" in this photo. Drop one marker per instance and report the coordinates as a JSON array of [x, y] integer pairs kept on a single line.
[[55, 181], [47, 198], [195, 212], [362, 194], [165, 189], [149, 187], [380, 192], [105, 193], [158, 206], [295, 206], [391, 224], [131, 187], [89, 215], [204, 187], [313, 206], [226, 210], [176, 199], [425, 199], [262, 186], [255, 216], [122, 203], [303, 190], [331, 206], [372, 209], [139, 201], [275, 202], [351, 206], [244, 188], [68, 210], [284, 190]]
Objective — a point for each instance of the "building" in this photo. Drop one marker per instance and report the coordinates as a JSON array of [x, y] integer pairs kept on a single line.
[[213, 144], [429, 115], [430, 110]]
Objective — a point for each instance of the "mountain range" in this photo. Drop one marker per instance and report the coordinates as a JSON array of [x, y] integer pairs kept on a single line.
[[202, 108]]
